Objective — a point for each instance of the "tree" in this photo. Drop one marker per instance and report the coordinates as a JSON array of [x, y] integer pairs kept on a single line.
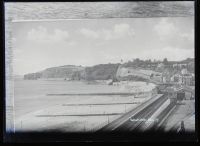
[[150, 61], [165, 61], [136, 61]]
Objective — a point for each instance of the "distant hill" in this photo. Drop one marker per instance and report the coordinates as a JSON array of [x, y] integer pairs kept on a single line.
[[185, 61], [101, 72], [188, 60], [66, 71], [132, 69], [97, 72]]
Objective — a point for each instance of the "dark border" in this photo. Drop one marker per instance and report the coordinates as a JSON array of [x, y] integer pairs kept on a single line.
[[55, 136], [2, 73]]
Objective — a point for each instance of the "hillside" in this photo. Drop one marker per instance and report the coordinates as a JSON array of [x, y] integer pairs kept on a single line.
[[55, 72], [132, 70], [101, 72], [135, 73], [70, 72]]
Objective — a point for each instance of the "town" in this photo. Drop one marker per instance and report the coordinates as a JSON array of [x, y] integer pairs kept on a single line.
[[173, 95], [176, 81]]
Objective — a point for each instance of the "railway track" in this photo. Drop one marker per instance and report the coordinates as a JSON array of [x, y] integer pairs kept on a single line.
[[132, 120], [143, 116], [148, 116]]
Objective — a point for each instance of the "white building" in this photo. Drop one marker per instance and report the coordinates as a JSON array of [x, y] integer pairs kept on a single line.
[[184, 71]]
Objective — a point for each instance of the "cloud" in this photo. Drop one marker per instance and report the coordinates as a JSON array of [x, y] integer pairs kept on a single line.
[[171, 33], [89, 33], [165, 28], [123, 30], [42, 35], [118, 31], [72, 43], [171, 53], [188, 36]]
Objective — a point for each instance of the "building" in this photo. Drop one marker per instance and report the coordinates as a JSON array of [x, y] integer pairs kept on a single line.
[[184, 79], [177, 78], [166, 78], [175, 93], [157, 77], [187, 80], [175, 65], [189, 92], [179, 65], [184, 71]]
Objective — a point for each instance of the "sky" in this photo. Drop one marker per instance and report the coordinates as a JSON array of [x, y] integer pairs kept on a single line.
[[38, 45]]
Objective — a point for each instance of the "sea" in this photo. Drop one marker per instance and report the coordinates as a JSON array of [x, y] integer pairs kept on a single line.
[[31, 99], [31, 95]]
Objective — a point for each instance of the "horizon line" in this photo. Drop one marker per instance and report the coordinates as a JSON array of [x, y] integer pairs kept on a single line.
[[104, 64]]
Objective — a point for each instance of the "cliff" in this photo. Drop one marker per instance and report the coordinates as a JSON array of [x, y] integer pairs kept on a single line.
[[132, 70], [101, 72], [70, 72], [64, 72]]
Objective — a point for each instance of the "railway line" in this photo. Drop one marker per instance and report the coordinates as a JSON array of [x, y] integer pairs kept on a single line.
[[150, 114]]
